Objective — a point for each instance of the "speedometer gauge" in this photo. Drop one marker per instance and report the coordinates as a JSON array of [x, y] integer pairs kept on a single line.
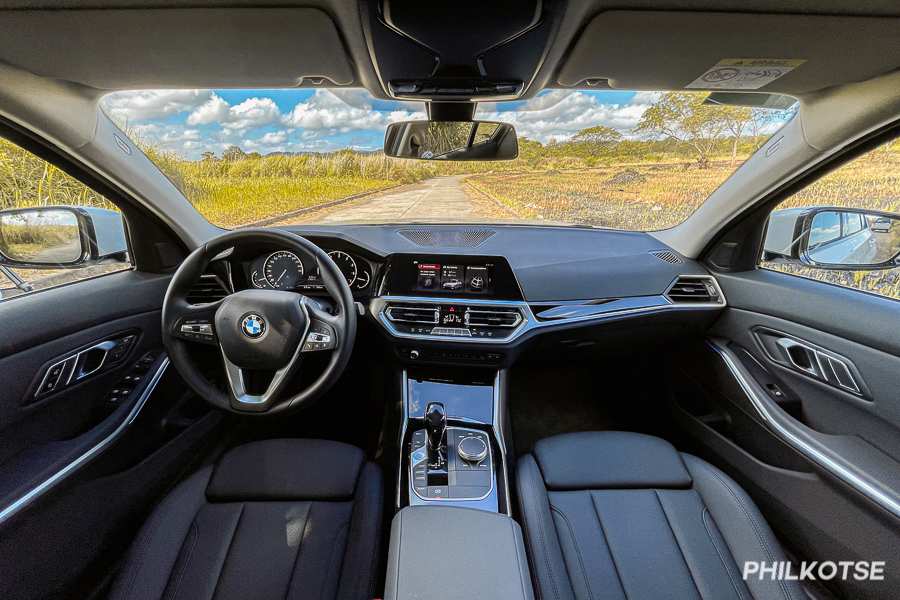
[[283, 270], [346, 264]]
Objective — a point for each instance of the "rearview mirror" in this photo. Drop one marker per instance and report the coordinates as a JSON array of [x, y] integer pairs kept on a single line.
[[451, 140], [834, 238], [56, 237]]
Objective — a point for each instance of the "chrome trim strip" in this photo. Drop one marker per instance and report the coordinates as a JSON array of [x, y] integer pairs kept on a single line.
[[379, 305], [497, 425], [70, 468], [860, 485]]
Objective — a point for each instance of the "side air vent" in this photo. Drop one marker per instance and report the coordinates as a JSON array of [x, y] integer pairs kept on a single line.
[[405, 313], [667, 256], [695, 289], [493, 317], [447, 238], [209, 289]]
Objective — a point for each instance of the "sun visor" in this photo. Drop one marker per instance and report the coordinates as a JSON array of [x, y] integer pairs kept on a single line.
[[789, 54], [177, 48]]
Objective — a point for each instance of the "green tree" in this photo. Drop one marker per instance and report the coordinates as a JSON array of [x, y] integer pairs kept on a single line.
[[232, 153], [599, 135], [682, 116]]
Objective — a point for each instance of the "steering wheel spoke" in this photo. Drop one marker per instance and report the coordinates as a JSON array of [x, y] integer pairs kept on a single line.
[[196, 323], [243, 400], [325, 329]]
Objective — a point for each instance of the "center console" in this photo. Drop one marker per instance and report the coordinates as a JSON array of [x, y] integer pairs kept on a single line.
[[453, 536], [453, 450]]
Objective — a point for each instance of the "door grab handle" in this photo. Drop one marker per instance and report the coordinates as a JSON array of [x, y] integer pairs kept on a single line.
[[801, 356], [91, 360]]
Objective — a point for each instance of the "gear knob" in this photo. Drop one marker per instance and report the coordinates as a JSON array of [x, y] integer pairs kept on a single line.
[[436, 425]]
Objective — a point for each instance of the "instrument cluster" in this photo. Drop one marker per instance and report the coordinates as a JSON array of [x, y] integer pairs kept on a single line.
[[285, 270]]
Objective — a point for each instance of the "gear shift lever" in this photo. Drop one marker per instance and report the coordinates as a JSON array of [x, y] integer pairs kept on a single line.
[[436, 426]]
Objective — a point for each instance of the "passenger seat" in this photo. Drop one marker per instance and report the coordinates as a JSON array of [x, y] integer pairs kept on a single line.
[[625, 515]]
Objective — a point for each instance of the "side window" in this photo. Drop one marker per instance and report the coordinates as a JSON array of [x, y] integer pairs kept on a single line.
[[53, 229], [845, 227]]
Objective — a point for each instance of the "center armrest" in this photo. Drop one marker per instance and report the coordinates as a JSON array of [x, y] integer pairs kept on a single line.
[[444, 552]]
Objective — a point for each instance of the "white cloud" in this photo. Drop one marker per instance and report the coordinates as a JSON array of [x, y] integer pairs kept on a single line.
[[152, 104], [213, 110], [328, 109], [560, 114]]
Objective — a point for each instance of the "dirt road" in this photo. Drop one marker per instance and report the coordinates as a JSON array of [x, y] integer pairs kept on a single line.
[[436, 200]]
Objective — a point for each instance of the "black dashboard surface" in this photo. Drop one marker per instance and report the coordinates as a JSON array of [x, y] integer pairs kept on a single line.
[[551, 264]]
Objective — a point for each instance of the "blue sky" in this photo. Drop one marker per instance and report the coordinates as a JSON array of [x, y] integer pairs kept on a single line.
[[190, 122]]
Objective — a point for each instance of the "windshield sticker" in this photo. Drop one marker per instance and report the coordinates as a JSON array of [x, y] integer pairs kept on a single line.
[[744, 73]]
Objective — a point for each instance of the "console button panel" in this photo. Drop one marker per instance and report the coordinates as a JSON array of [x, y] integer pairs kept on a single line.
[[471, 479]]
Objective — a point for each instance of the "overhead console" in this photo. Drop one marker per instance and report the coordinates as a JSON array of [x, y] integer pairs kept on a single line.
[[458, 51]]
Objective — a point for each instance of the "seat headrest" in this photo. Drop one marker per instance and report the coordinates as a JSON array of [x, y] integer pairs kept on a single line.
[[286, 469], [609, 460]]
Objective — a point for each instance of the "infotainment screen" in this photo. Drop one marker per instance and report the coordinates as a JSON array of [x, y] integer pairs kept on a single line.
[[451, 275], [433, 277]]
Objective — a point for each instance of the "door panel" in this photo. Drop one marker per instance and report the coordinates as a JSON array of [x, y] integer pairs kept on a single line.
[[82, 463], [822, 460]]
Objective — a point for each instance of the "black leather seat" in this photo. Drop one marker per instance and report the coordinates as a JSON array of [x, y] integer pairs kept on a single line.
[[625, 515], [273, 519]]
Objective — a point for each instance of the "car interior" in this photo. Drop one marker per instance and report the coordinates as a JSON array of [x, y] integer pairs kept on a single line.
[[443, 409]]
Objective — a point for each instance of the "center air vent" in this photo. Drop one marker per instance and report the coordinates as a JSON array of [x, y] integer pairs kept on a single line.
[[404, 313], [447, 238], [209, 289], [699, 289], [493, 317]]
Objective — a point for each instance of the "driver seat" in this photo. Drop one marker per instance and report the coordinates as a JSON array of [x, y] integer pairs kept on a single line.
[[285, 518]]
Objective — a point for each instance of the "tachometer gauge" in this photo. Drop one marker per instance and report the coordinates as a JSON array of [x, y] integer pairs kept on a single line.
[[346, 264], [258, 280], [283, 270], [362, 280]]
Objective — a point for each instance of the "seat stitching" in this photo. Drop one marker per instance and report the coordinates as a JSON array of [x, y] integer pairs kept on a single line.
[[187, 561], [299, 549], [753, 524], [677, 544], [608, 546], [587, 582], [704, 516], [545, 553], [228, 550]]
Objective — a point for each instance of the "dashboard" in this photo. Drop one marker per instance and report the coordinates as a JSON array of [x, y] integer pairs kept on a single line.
[[285, 270], [483, 294]]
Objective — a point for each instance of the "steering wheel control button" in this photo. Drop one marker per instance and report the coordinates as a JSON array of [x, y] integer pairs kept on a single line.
[[472, 449], [321, 336], [253, 326]]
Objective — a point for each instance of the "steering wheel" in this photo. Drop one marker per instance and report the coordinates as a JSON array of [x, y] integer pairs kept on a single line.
[[257, 329]]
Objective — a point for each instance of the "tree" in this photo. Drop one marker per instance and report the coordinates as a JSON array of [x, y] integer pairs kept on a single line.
[[736, 119], [682, 116], [232, 153], [599, 135], [208, 155]]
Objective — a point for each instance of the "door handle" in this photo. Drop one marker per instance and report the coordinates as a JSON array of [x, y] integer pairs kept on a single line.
[[800, 356], [91, 360]]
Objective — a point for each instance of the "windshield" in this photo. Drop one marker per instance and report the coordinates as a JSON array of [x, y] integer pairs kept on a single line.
[[636, 161]]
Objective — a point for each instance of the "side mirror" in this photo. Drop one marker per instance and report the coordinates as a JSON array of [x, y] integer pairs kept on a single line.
[[451, 140], [55, 237], [844, 239]]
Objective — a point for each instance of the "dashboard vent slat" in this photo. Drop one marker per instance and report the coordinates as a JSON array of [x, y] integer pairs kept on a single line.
[[404, 313], [209, 289], [694, 290], [493, 317], [667, 256], [449, 238]]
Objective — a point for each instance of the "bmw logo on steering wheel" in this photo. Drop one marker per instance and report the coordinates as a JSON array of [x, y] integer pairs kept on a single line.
[[253, 326]]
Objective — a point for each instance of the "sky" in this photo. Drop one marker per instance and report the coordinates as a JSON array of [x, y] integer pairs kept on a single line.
[[191, 122]]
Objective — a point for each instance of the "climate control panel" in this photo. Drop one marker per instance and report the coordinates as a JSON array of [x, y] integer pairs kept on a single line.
[[453, 320]]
